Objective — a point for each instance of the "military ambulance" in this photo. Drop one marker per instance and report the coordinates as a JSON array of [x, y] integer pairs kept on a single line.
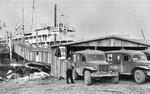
[[130, 62], [92, 64]]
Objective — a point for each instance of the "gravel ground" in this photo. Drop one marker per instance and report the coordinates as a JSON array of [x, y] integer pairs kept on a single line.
[[52, 85]]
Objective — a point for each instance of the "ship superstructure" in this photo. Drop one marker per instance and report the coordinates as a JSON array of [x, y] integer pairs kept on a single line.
[[46, 36]]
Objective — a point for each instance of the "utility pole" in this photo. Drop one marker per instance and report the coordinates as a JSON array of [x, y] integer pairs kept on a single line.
[[36, 32]]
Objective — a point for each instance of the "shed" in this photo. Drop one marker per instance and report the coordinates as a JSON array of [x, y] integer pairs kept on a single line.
[[105, 43]]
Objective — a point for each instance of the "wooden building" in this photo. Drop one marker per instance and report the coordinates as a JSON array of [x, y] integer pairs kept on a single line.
[[106, 43], [24, 51]]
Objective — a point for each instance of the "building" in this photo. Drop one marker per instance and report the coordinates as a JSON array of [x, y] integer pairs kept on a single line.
[[105, 43]]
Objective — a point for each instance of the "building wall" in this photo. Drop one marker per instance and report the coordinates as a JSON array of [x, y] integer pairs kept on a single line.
[[58, 65], [39, 56]]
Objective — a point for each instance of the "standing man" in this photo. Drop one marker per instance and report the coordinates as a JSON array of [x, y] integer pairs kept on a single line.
[[69, 68]]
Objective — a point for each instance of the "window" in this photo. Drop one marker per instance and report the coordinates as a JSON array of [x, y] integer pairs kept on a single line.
[[78, 57], [126, 58], [148, 57], [118, 57], [109, 57], [74, 57], [83, 58], [139, 57], [37, 53], [114, 58], [92, 57]]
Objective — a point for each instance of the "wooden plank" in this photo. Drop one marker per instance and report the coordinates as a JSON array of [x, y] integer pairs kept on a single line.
[[29, 56], [53, 60], [52, 63], [64, 69], [49, 58], [42, 57], [58, 65]]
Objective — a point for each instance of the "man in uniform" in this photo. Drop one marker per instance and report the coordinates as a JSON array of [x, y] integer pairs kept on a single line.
[[69, 68]]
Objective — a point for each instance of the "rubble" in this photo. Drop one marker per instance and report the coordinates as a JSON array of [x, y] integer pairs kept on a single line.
[[42, 66], [36, 75], [25, 72]]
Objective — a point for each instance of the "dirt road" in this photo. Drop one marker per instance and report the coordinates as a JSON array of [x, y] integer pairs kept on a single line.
[[55, 86]]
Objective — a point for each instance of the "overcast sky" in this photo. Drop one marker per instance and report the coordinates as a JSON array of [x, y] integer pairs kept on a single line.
[[90, 18]]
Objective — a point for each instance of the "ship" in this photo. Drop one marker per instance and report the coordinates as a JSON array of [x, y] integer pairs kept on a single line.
[[44, 36]]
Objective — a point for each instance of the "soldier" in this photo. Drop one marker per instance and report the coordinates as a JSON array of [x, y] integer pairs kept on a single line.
[[69, 68]]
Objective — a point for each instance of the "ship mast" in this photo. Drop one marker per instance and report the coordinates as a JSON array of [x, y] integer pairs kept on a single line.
[[55, 22], [36, 32], [55, 16], [23, 20], [32, 15]]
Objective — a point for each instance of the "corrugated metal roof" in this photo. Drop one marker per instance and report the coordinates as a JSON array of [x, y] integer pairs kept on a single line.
[[138, 41], [131, 52], [146, 41], [146, 51], [90, 52]]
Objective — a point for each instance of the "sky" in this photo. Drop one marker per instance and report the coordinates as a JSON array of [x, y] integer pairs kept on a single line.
[[90, 18]]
